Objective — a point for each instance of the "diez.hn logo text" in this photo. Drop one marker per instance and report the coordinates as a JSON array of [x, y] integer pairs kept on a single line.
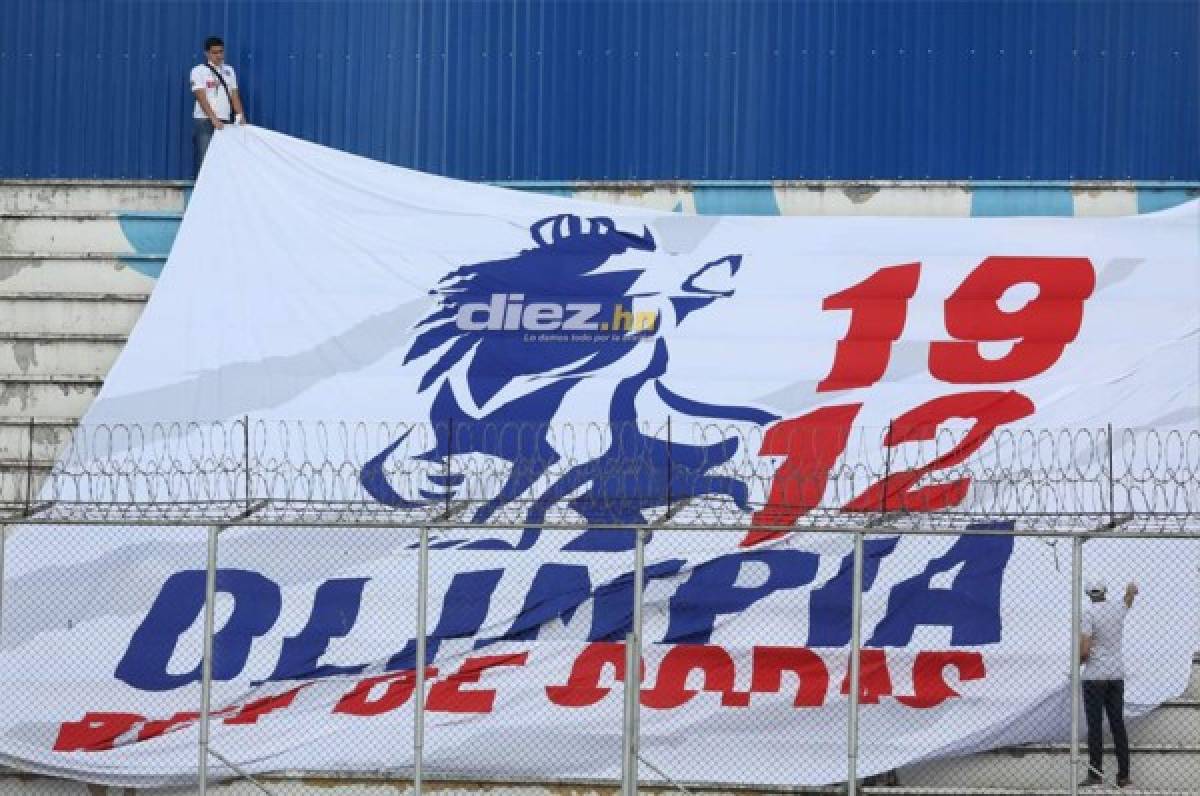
[[510, 312]]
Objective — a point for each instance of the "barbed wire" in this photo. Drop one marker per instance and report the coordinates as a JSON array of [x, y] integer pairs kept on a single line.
[[526, 476]]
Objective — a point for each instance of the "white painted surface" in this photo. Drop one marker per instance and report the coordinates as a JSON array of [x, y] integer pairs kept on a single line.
[[1106, 202], [63, 234]]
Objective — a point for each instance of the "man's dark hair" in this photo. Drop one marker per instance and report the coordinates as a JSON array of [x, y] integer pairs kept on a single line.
[[213, 41]]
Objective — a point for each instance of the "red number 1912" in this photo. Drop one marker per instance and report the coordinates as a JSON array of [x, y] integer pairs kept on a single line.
[[1039, 333]]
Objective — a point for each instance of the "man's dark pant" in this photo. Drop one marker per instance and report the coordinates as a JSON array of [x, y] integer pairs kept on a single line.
[[202, 133], [1100, 697]]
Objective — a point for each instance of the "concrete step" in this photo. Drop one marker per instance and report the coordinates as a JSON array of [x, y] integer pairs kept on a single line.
[[71, 233], [42, 196], [1174, 722], [14, 784], [60, 396], [46, 354], [1165, 752], [82, 313], [1184, 789], [46, 273], [1030, 768], [322, 785]]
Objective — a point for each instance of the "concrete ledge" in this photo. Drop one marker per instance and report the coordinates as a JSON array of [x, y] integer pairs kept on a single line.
[[307, 784], [104, 256], [64, 379], [17, 464], [61, 337], [955, 198], [139, 298], [86, 215]]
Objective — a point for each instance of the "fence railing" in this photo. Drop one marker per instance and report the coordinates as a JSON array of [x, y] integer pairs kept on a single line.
[[623, 475], [646, 507]]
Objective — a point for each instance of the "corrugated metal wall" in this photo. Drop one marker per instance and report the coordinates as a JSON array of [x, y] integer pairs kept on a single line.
[[613, 89]]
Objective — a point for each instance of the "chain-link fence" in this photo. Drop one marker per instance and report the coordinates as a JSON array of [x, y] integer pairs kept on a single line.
[[246, 607]]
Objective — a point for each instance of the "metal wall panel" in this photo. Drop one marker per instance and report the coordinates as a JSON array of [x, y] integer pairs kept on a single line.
[[616, 89]]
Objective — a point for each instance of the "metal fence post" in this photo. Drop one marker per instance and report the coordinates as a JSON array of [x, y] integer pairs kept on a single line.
[[210, 592], [246, 455], [422, 630], [855, 654], [3, 540], [1112, 486], [29, 468], [670, 469], [628, 758], [419, 664], [1076, 601], [633, 673]]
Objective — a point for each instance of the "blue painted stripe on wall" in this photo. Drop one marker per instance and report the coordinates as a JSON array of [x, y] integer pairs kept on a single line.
[[1151, 199], [993, 201], [747, 201], [147, 266], [150, 233]]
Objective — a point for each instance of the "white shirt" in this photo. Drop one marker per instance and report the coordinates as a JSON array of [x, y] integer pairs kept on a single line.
[[1105, 623], [204, 79]]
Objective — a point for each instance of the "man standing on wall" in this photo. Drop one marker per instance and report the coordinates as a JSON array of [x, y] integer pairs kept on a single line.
[[1100, 649], [214, 85]]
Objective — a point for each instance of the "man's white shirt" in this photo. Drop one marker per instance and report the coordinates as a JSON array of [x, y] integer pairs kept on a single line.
[[1105, 623], [204, 79]]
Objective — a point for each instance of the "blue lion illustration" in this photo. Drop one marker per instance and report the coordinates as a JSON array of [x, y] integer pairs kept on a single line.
[[511, 340]]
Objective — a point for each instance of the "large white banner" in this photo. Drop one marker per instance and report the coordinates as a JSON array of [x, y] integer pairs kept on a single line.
[[309, 285]]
